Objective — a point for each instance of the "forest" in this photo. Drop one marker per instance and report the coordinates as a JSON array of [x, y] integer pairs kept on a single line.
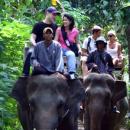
[[17, 18]]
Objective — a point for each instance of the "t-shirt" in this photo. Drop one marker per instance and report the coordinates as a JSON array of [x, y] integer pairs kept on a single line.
[[72, 35], [103, 61], [112, 51], [92, 46], [38, 30], [50, 58]]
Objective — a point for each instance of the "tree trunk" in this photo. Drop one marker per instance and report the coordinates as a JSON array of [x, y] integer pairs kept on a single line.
[[128, 39]]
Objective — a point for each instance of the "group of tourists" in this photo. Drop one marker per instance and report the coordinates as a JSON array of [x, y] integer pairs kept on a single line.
[[100, 54], [51, 43]]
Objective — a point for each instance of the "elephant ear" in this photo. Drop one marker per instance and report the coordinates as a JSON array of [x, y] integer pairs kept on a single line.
[[76, 92], [120, 91], [19, 89]]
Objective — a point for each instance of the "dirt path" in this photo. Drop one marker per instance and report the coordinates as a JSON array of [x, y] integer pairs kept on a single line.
[[80, 124]]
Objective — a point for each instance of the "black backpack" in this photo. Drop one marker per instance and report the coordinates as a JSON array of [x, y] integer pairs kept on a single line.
[[88, 45]]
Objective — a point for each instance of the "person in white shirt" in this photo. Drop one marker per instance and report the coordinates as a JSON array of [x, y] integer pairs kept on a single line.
[[89, 46], [114, 49]]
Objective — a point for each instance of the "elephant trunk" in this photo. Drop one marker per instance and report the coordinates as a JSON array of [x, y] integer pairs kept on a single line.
[[96, 114], [95, 123]]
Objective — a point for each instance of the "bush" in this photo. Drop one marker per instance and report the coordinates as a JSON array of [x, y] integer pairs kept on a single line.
[[13, 36]]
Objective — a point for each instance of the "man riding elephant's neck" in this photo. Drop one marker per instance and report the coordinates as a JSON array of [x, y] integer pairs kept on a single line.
[[47, 43]]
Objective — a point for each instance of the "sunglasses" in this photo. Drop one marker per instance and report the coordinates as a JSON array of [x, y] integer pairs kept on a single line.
[[110, 35]]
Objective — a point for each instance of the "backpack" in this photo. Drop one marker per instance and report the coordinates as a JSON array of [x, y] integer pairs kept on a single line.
[[88, 45]]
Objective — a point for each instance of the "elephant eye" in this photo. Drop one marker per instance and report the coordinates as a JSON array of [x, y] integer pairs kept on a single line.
[[32, 103], [87, 97]]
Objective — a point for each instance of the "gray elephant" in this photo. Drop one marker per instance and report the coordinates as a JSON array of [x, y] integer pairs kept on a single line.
[[48, 102], [102, 93]]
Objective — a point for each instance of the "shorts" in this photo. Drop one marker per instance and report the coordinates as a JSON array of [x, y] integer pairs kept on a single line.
[[83, 58]]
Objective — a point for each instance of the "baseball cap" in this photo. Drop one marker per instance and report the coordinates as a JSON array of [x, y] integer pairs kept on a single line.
[[111, 32], [47, 29], [52, 10], [96, 27], [102, 39]]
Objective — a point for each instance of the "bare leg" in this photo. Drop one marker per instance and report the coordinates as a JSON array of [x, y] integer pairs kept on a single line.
[[84, 69], [115, 61]]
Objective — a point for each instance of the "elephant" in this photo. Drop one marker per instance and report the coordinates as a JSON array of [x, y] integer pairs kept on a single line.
[[47, 102], [102, 93]]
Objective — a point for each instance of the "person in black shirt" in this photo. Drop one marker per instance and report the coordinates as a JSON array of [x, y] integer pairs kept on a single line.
[[37, 34], [49, 21]]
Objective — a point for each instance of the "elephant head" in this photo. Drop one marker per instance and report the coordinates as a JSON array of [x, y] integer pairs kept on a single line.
[[46, 95], [102, 92], [46, 100]]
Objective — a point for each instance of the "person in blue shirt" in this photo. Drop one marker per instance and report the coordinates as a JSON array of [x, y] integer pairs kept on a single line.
[[99, 60], [47, 55]]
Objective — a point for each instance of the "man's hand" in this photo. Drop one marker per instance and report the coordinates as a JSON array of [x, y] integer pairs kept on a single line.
[[58, 75], [79, 52], [84, 52], [95, 66]]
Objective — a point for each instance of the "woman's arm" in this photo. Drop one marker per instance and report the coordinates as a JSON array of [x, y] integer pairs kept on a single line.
[[119, 52], [78, 43], [56, 35], [33, 39]]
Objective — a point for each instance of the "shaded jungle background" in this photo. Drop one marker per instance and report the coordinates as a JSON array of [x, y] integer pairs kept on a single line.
[[16, 20]]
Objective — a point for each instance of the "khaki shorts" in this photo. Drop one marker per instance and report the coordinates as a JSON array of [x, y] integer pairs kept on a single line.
[[83, 58]]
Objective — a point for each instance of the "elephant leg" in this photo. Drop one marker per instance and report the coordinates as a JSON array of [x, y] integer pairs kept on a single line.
[[86, 120], [25, 118], [117, 128]]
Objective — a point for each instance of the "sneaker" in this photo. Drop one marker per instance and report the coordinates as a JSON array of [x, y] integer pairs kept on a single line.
[[25, 75], [73, 76]]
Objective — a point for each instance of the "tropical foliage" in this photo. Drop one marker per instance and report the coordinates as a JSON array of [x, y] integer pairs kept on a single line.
[[16, 20]]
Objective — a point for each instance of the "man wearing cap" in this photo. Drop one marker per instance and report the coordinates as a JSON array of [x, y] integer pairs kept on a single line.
[[99, 60], [37, 34], [47, 55], [89, 45]]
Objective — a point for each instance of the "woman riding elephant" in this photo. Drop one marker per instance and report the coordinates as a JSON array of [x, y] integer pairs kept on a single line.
[[115, 50], [68, 36]]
